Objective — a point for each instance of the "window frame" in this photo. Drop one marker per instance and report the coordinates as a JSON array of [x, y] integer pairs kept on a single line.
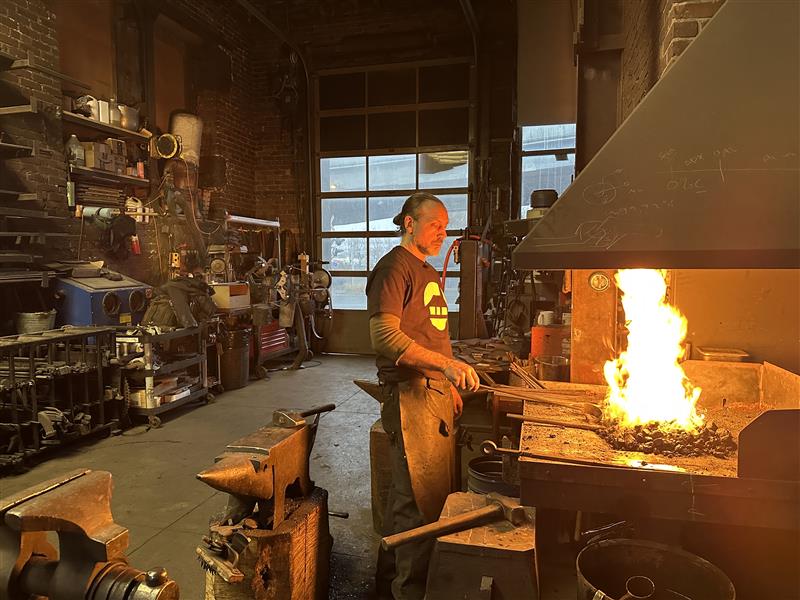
[[417, 150], [555, 152], [368, 234]]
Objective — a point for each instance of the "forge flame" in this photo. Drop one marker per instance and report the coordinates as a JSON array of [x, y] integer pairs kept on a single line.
[[646, 381]]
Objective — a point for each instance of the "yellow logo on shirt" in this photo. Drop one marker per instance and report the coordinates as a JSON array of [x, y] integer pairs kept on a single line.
[[438, 312]]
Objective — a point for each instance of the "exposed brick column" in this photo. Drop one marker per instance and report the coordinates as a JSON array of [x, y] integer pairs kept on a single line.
[[684, 20]]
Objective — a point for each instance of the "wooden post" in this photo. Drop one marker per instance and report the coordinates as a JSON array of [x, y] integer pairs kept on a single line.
[[288, 563]]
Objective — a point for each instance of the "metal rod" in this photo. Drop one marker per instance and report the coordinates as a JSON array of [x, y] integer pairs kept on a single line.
[[556, 422], [242, 220], [318, 409]]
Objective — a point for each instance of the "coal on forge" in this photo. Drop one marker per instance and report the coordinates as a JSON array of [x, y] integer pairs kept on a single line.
[[660, 438]]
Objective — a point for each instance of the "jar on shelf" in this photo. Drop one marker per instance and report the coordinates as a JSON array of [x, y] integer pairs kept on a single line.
[[75, 152]]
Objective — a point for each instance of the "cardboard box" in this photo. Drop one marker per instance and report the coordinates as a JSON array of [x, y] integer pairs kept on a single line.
[[97, 155], [231, 295], [119, 164], [117, 146]]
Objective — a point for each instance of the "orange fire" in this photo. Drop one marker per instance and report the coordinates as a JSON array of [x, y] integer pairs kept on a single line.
[[646, 382]]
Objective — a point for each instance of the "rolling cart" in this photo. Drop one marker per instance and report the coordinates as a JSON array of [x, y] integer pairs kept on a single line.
[[179, 353]]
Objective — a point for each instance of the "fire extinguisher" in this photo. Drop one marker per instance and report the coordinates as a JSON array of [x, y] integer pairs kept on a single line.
[[136, 248]]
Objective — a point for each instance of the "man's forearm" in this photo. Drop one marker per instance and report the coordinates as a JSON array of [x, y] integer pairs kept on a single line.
[[418, 358]]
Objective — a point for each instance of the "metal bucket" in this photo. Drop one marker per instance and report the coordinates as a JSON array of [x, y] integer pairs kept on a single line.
[[235, 359], [485, 474], [35, 321], [617, 569], [552, 368]]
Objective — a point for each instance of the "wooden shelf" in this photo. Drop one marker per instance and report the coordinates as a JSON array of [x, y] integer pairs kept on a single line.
[[107, 177], [78, 124], [10, 211], [19, 195], [11, 276], [32, 65], [14, 150], [17, 257], [36, 234], [31, 107]]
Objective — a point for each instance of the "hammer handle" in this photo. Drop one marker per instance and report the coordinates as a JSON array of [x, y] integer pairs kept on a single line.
[[466, 520], [317, 410]]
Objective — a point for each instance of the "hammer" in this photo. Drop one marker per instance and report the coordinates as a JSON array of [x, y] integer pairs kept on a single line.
[[497, 507]]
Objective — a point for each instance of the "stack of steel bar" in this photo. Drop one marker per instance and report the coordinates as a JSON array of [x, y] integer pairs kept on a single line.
[[99, 195]]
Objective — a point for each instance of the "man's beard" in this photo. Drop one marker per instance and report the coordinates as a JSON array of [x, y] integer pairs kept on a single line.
[[432, 249]]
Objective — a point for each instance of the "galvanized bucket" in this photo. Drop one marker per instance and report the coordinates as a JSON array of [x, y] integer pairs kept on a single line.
[[35, 321]]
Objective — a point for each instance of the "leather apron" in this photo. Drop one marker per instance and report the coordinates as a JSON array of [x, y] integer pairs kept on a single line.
[[426, 419]]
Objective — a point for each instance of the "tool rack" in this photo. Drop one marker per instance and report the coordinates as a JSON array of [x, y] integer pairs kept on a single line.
[[157, 346], [68, 370]]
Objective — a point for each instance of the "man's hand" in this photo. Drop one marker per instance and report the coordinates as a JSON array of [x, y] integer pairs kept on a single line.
[[462, 375], [458, 403]]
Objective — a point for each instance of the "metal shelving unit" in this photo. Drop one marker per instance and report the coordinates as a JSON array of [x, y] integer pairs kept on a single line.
[[156, 346], [56, 387]]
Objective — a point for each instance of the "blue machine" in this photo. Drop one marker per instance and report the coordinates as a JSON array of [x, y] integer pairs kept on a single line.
[[101, 301]]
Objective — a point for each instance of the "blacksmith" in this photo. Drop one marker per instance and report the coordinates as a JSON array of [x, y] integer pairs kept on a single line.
[[419, 376]]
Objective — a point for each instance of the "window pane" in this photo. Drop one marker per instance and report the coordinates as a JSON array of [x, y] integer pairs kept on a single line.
[[345, 254], [382, 209], [379, 246], [444, 169], [456, 209], [544, 173], [438, 260], [548, 137], [393, 172], [349, 293], [346, 174], [344, 214], [451, 292]]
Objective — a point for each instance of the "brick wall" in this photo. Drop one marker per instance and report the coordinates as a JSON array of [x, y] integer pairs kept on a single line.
[[682, 22], [641, 23], [27, 26], [656, 33], [261, 138], [228, 116], [331, 35]]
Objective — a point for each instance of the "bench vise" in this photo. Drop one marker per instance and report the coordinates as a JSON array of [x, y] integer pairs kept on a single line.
[[89, 563]]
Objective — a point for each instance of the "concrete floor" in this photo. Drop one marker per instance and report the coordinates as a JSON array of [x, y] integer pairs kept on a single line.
[[157, 497], [166, 510]]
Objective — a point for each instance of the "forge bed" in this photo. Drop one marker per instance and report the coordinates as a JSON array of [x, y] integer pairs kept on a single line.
[[576, 469]]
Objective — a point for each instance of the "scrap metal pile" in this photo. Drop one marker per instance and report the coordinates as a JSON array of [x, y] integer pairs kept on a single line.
[[654, 438]]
